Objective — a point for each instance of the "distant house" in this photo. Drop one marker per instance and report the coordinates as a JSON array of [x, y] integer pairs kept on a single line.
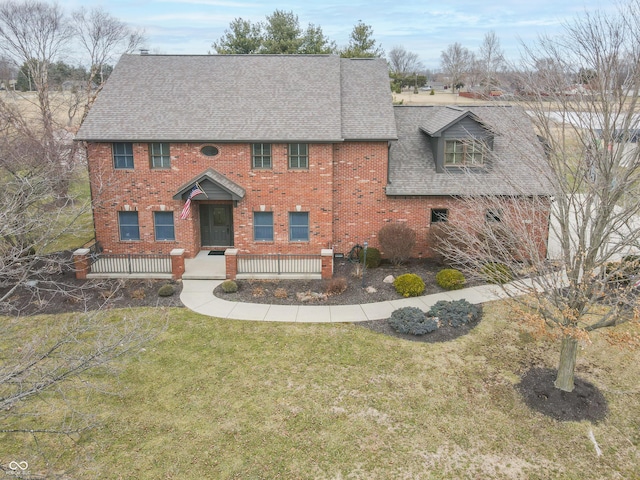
[[283, 154]]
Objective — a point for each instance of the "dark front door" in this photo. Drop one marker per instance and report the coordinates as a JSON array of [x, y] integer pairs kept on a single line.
[[216, 226]]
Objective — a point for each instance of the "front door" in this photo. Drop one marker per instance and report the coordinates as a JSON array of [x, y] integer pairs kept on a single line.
[[216, 226]]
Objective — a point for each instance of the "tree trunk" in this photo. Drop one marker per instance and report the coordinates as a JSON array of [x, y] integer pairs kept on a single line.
[[566, 368]]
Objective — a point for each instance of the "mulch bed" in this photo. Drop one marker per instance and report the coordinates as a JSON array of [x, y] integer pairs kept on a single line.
[[585, 402], [58, 291], [264, 291]]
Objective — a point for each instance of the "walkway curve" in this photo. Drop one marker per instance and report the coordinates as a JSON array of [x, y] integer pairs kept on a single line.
[[197, 295]]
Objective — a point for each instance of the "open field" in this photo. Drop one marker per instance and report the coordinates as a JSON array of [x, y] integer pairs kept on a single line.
[[231, 399], [441, 97]]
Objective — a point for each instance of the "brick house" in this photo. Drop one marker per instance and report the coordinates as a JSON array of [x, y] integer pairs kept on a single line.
[[285, 154]]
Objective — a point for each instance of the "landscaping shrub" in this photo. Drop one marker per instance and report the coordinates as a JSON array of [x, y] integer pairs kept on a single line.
[[373, 257], [496, 272], [397, 241], [336, 286], [412, 320], [229, 286], [409, 285], [455, 313], [450, 279], [166, 290]]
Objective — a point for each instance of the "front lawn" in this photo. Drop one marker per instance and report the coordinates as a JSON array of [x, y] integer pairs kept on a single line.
[[230, 399]]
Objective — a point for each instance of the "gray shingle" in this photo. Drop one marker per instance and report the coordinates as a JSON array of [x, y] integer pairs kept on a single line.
[[512, 170], [257, 98]]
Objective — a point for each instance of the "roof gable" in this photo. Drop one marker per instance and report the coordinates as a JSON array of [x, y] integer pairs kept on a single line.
[[441, 120], [214, 184]]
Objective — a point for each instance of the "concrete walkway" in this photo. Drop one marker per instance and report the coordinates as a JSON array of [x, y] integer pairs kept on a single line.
[[197, 295]]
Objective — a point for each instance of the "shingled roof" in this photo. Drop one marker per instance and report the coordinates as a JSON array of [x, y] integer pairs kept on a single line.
[[513, 167], [243, 98]]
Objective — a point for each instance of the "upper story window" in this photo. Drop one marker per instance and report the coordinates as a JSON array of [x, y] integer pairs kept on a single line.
[[123, 155], [298, 156], [159, 155], [209, 151], [261, 156], [464, 152]]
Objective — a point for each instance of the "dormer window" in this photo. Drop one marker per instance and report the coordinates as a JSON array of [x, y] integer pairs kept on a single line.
[[464, 153]]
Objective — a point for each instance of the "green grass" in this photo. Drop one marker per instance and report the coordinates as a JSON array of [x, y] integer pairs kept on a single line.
[[75, 222], [229, 399]]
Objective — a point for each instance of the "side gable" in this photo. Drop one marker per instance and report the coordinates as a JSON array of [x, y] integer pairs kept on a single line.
[[242, 98]]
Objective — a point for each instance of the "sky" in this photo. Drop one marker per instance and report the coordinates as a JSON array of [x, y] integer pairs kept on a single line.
[[422, 27]]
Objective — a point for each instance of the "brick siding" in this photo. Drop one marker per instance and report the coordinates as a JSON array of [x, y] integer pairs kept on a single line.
[[343, 190]]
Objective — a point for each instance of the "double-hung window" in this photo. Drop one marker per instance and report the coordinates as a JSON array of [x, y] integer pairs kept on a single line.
[[263, 226], [298, 156], [464, 152], [163, 225], [159, 155], [299, 226], [261, 155], [128, 225], [123, 155]]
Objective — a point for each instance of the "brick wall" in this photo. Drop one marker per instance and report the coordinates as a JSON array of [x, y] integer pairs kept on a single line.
[[343, 190], [278, 190]]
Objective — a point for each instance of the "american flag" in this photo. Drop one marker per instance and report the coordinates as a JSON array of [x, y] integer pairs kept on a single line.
[[187, 205]]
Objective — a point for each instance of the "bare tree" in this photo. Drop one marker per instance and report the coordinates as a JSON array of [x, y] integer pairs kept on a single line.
[[51, 371], [403, 63], [491, 61], [34, 34], [103, 38], [456, 61], [592, 164]]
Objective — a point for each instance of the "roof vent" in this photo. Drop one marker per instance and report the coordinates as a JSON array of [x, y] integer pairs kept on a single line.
[[144, 51]]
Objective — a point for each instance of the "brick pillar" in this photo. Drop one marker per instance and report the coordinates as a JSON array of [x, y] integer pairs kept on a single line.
[[327, 263], [177, 263], [231, 262], [82, 263]]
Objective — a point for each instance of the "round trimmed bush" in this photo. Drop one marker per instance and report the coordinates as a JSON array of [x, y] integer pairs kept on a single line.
[[373, 257], [166, 290], [229, 286], [409, 285], [450, 279], [496, 272], [412, 320], [455, 313]]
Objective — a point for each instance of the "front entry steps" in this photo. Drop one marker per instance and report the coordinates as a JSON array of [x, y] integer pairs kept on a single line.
[[205, 267]]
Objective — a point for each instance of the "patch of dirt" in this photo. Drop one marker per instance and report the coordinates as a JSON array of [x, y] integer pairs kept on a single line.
[[283, 292], [58, 291], [586, 402]]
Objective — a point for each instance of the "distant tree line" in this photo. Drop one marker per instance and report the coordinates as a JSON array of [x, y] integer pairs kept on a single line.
[[61, 75]]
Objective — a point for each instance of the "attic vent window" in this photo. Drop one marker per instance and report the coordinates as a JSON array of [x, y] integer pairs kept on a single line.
[[209, 151]]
